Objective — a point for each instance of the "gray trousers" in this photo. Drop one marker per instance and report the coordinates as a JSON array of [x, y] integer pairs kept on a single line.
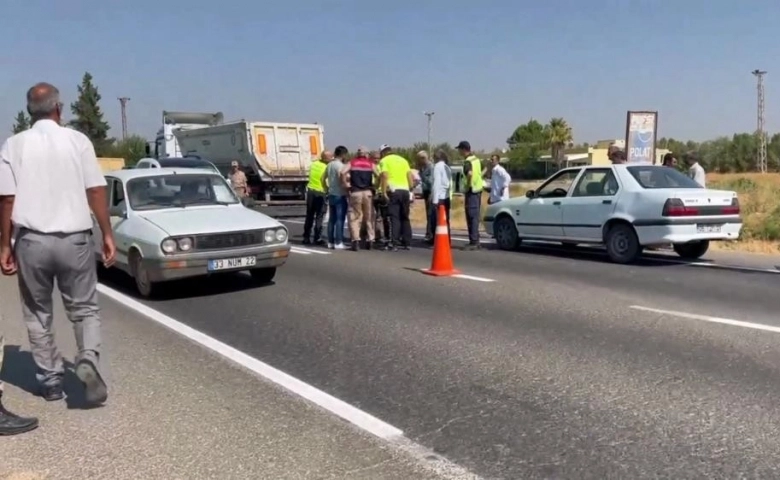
[[70, 260], [473, 205]]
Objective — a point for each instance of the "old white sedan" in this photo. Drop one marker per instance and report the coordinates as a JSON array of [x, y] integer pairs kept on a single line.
[[175, 223], [624, 207]]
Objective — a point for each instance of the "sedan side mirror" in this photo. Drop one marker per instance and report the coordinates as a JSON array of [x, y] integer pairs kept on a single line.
[[530, 193], [117, 212]]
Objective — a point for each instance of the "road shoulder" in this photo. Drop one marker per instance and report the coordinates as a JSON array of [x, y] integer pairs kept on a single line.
[[175, 411]]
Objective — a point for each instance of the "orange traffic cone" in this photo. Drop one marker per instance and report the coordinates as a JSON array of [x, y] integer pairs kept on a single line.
[[441, 264]]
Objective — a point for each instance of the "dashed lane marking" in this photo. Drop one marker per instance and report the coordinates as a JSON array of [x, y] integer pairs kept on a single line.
[[707, 318], [308, 251]]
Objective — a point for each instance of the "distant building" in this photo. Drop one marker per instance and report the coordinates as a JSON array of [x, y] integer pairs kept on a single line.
[[595, 155]]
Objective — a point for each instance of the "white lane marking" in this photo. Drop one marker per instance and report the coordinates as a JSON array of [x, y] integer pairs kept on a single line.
[[308, 251], [707, 318], [731, 267], [472, 277], [365, 421]]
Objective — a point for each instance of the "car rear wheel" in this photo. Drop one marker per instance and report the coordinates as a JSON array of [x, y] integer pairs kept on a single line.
[[692, 250], [622, 243], [263, 275], [140, 273], [505, 233]]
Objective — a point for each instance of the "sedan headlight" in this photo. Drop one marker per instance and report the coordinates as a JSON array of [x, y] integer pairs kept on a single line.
[[270, 236], [281, 235], [185, 244], [168, 245]]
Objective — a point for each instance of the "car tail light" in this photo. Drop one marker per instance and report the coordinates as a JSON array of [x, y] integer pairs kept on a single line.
[[674, 207], [732, 209]]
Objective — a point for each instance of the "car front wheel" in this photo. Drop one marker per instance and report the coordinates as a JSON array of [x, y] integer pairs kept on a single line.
[[143, 284], [692, 250], [263, 275], [622, 244], [505, 233]]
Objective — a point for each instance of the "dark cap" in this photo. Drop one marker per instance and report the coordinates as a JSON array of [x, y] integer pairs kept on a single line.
[[464, 145]]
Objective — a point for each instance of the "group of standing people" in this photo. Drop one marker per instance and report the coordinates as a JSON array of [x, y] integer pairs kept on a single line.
[[373, 193], [374, 190], [53, 241]]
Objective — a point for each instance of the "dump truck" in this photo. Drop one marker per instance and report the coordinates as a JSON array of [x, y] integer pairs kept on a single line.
[[276, 157]]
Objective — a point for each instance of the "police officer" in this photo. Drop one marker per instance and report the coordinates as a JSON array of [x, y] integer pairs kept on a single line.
[[315, 200], [396, 182], [472, 191]]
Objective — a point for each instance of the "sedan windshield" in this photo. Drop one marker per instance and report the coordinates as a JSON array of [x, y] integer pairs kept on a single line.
[[179, 191], [654, 176]]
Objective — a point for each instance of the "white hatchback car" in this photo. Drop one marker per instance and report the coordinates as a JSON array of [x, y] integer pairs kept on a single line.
[[624, 207], [176, 223]]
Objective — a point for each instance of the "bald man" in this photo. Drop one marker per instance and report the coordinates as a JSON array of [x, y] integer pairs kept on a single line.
[[54, 238]]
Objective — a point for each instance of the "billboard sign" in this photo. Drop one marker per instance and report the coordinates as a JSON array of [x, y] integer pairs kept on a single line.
[[641, 133]]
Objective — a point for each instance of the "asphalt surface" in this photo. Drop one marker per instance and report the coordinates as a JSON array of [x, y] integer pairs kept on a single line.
[[544, 368], [174, 412]]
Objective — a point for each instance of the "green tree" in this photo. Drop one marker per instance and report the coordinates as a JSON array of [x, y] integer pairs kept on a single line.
[[88, 116], [132, 149], [528, 134], [559, 136], [21, 123]]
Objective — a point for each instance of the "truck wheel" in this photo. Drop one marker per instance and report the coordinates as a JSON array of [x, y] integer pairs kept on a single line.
[[144, 286], [692, 250], [622, 244], [263, 275]]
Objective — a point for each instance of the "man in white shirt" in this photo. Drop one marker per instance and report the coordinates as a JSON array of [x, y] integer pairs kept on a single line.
[[50, 179], [441, 185], [499, 181], [695, 170]]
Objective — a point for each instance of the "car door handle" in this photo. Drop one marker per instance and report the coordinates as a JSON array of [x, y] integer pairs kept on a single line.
[[607, 202], [556, 203]]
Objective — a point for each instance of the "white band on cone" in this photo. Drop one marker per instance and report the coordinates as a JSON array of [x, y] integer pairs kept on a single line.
[[442, 230]]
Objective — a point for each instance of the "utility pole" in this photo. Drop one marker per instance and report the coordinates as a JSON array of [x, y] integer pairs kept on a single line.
[[123, 102], [760, 133], [430, 131]]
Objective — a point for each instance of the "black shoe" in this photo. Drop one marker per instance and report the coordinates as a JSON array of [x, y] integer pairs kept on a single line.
[[52, 393], [369, 245], [95, 390], [306, 241], [355, 246], [471, 247], [12, 424], [406, 247]]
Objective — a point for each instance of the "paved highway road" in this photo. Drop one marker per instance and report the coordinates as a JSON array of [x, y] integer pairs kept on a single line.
[[539, 364]]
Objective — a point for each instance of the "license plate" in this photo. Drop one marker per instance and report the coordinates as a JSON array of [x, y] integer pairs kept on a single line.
[[230, 263], [708, 228]]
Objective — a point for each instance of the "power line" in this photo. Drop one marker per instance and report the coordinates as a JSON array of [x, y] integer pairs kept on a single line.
[[123, 102], [430, 132], [760, 133]]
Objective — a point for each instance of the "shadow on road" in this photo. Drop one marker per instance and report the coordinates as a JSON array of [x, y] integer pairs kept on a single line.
[[215, 284], [19, 369]]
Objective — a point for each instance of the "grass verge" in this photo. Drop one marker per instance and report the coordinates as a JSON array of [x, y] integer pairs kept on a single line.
[[759, 197]]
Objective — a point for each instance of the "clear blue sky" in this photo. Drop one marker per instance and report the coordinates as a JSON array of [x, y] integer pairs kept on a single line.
[[367, 69]]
